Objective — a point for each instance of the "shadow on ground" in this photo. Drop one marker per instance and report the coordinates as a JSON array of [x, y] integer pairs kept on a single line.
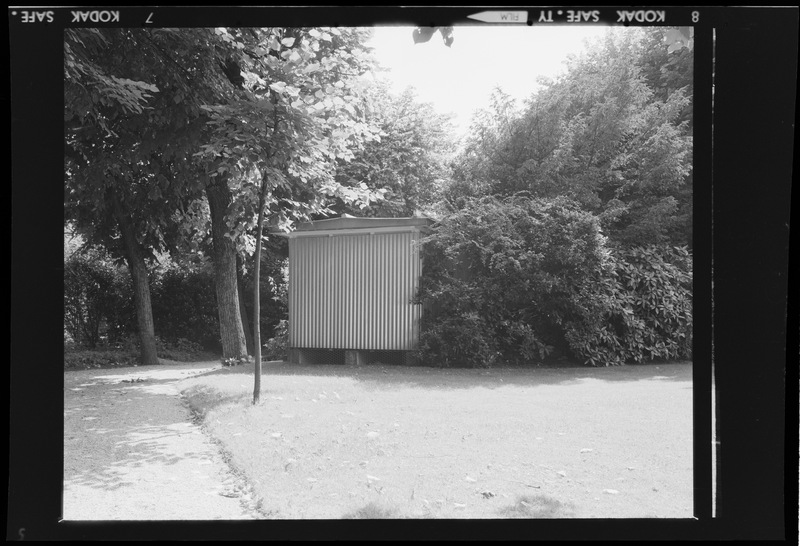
[[538, 507], [372, 510], [525, 507], [379, 377], [117, 424], [388, 376]]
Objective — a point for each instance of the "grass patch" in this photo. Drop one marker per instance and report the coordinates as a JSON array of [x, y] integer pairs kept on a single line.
[[373, 442]]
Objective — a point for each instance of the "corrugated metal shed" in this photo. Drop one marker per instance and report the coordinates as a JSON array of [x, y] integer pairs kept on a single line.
[[351, 281]]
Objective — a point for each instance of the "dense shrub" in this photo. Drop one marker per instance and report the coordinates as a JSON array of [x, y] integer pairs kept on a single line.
[[457, 339], [185, 307], [99, 308], [273, 289], [498, 275], [520, 279], [647, 311], [92, 294], [121, 314], [659, 280], [276, 348]]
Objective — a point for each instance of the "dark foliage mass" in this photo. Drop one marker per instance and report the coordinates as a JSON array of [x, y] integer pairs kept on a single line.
[[185, 307], [89, 298], [274, 293], [566, 228], [521, 279], [99, 312], [643, 310]]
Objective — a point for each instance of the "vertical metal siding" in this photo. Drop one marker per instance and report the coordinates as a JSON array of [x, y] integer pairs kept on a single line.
[[292, 292], [417, 309], [353, 291]]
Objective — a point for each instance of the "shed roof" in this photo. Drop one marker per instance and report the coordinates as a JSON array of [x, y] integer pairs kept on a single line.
[[353, 222]]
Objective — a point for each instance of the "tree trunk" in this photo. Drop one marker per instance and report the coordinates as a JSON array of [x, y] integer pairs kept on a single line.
[[144, 312], [234, 344], [141, 285], [248, 333], [257, 297]]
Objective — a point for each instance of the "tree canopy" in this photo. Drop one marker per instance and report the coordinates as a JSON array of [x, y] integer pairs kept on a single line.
[[409, 160], [613, 132], [133, 115], [300, 111]]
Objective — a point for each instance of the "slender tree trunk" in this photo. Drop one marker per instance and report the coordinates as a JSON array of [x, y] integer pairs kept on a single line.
[[257, 297], [234, 343], [248, 333], [141, 286]]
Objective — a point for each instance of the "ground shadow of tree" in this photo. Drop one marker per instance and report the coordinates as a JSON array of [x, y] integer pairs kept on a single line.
[[107, 443], [379, 377], [464, 378], [538, 507]]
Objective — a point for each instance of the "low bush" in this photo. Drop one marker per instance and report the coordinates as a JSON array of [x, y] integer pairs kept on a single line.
[[457, 340], [125, 352], [277, 347], [99, 358], [181, 350]]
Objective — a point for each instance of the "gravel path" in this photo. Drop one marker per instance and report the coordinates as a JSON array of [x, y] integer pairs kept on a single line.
[[132, 451]]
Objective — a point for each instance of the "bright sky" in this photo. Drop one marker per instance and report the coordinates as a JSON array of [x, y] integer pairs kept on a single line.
[[460, 78]]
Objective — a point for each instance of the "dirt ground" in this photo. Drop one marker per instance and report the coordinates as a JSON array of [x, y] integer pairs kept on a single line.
[[132, 452]]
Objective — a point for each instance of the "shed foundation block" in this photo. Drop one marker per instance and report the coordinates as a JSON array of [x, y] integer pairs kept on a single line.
[[353, 357], [293, 356]]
